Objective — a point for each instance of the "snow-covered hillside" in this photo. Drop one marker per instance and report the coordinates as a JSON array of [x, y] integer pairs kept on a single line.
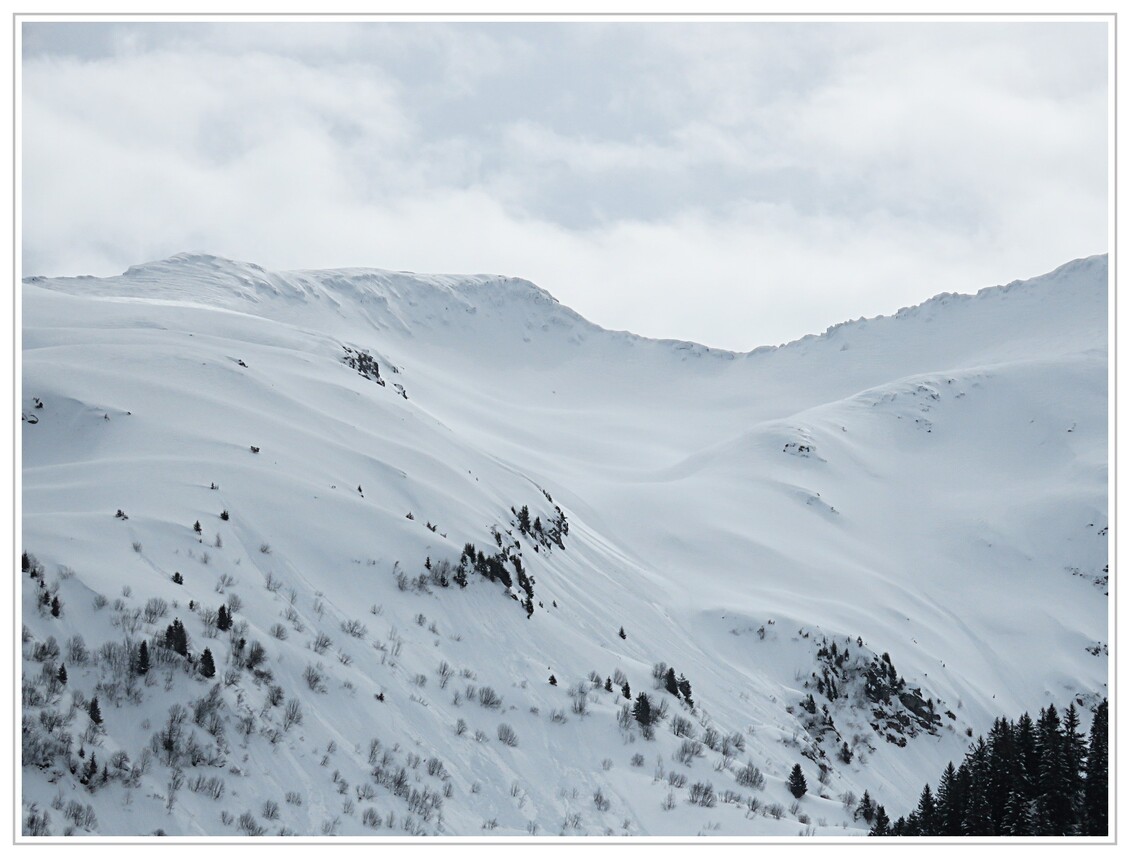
[[925, 492]]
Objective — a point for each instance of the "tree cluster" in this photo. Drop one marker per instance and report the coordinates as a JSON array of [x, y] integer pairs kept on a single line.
[[545, 535], [1042, 778]]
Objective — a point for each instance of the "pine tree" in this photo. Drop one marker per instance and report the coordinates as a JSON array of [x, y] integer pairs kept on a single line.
[[56, 606], [1075, 759], [1053, 808], [796, 783], [94, 711], [1095, 789], [224, 515], [627, 689], [976, 819], [623, 635], [866, 808], [143, 659], [178, 578], [207, 665], [61, 676], [223, 619], [196, 527], [926, 812], [1017, 816], [949, 805], [176, 638], [882, 826], [642, 709], [1027, 756], [1002, 762], [552, 679], [685, 690], [608, 683], [669, 681]]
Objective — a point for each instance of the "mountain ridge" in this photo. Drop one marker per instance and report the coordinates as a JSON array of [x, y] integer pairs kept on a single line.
[[936, 492]]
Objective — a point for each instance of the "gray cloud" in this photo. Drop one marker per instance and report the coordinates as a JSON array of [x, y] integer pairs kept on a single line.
[[733, 184]]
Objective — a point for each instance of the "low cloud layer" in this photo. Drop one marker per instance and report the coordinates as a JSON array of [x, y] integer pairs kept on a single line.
[[733, 184]]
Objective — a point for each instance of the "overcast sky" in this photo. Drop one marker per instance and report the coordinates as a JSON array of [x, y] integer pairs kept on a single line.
[[736, 184]]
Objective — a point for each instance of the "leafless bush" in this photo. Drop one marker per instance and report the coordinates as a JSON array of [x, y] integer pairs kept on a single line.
[[354, 628], [682, 727], [314, 678], [507, 736], [702, 794], [292, 714], [687, 752], [677, 780], [155, 608], [750, 776], [249, 826]]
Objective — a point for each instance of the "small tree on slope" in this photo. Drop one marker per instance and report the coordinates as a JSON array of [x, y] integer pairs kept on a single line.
[[796, 783]]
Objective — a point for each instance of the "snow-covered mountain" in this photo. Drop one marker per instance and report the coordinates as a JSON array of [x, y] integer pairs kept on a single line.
[[904, 517]]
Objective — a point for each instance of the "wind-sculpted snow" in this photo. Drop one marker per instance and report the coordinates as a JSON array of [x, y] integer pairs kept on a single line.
[[410, 654]]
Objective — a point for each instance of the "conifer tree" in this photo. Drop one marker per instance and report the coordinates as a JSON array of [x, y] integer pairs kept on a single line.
[[1017, 816], [948, 804], [1002, 762], [56, 606], [976, 818], [866, 808], [641, 710], [207, 665], [176, 638], [796, 783], [1095, 788], [926, 812], [685, 690], [882, 826], [623, 634], [143, 659], [608, 683], [669, 681], [61, 676], [1075, 756], [627, 690], [1027, 756], [94, 711], [1053, 807]]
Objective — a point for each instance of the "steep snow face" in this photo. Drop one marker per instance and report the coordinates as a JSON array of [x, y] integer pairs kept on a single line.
[[930, 485]]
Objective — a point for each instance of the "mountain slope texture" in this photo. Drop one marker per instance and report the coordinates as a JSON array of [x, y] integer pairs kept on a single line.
[[368, 553]]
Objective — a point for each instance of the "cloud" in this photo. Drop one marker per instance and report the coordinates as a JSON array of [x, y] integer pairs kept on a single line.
[[736, 185]]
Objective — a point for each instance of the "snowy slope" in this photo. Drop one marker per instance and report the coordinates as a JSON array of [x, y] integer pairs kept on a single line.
[[931, 485]]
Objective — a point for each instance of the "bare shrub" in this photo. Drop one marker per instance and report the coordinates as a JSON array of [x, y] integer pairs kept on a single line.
[[354, 628], [750, 776], [489, 698]]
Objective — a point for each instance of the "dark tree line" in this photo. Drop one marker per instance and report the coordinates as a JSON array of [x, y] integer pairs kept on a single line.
[[1029, 778]]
